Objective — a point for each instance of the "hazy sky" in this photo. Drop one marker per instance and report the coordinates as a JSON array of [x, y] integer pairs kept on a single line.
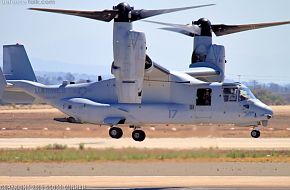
[[56, 42]]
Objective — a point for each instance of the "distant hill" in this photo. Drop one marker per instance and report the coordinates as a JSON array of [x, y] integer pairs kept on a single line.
[[58, 77], [270, 93], [53, 66]]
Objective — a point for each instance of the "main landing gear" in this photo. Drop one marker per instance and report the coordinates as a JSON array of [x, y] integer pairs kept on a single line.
[[115, 132], [137, 134], [255, 133]]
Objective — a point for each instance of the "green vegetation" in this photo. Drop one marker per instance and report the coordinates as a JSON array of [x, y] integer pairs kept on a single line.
[[90, 155], [269, 98], [55, 147], [81, 146]]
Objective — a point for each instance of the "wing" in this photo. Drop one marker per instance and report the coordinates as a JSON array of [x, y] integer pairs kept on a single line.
[[161, 74], [202, 72], [206, 74]]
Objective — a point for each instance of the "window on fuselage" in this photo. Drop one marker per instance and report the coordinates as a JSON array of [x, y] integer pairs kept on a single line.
[[246, 94], [203, 97], [230, 94]]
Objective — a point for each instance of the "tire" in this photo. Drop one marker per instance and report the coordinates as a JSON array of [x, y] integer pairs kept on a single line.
[[138, 135], [115, 132], [255, 133], [71, 120]]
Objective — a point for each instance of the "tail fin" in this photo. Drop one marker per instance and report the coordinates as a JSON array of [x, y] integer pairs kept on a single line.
[[16, 65], [3, 83]]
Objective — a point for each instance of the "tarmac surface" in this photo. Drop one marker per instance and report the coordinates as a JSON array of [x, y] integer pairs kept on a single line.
[[145, 168], [152, 182], [153, 143], [150, 175]]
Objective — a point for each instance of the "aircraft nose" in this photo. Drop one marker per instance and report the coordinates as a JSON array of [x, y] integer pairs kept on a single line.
[[264, 110], [268, 112]]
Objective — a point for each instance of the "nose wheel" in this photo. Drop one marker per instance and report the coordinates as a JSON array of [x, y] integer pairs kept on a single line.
[[138, 135], [255, 133], [115, 132]]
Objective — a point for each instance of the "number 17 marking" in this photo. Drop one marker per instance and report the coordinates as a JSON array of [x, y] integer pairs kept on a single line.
[[172, 113]]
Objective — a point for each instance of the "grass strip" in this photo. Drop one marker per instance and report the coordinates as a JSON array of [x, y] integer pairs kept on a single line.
[[131, 154]]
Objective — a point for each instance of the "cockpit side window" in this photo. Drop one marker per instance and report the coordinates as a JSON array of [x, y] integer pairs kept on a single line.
[[230, 94], [245, 94], [203, 97]]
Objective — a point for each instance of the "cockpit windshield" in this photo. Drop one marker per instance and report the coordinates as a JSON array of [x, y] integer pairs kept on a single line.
[[245, 94]]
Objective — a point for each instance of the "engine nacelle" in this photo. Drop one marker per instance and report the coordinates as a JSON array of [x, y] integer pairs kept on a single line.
[[129, 62], [149, 65], [209, 55], [216, 56]]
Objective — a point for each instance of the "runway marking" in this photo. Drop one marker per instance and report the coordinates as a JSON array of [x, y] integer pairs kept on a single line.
[[152, 181], [45, 110], [153, 143], [152, 128]]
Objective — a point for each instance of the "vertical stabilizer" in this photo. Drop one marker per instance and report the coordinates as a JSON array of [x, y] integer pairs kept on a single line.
[[16, 65]]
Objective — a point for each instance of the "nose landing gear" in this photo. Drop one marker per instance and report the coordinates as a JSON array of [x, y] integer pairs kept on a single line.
[[255, 133]]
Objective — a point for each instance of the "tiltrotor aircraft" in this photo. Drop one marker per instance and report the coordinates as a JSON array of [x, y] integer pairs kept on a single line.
[[142, 91]]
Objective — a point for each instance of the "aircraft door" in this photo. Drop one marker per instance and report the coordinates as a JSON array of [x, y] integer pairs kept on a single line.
[[203, 103]]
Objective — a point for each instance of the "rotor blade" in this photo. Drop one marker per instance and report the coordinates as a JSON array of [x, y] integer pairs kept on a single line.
[[105, 15], [221, 29], [141, 14], [178, 30], [189, 30]]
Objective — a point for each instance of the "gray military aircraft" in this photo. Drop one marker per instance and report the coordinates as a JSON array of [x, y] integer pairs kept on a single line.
[[142, 92]]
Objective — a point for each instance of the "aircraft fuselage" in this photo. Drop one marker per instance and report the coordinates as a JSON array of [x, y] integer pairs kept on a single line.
[[162, 103]]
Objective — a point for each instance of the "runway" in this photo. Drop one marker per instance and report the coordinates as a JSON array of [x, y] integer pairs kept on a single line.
[[153, 143], [149, 175], [145, 168], [153, 181]]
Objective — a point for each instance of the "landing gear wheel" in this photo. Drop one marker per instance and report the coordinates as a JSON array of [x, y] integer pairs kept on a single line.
[[138, 135], [255, 133], [71, 120], [115, 132]]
